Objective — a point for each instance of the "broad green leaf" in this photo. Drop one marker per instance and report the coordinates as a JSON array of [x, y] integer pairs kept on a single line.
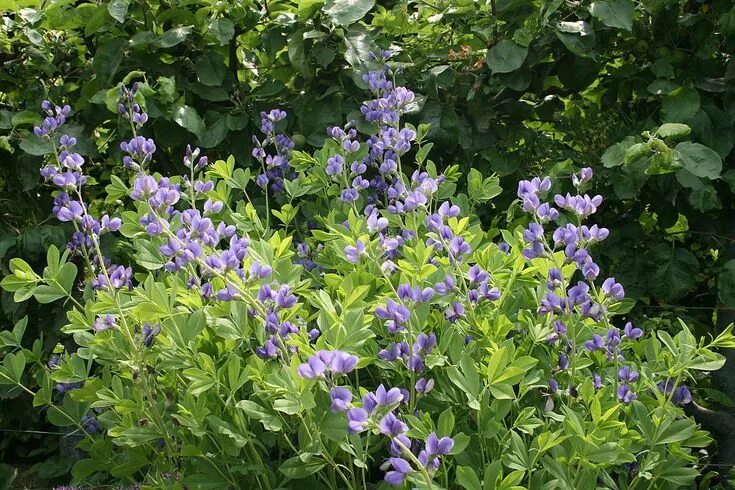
[[506, 56], [699, 159], [346, 12], [614, 13], [674, 272], [210, 69], [222, 29], [188, 118], [614, 155], [680, 105], [673, 130], [118, 9], [172, 37]]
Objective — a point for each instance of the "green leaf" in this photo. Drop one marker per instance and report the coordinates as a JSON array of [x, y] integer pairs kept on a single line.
[[296, 469], [614, 13], [674, 130], [188, 118], [359, 45], [118, 9], [506, 56], [615, 155], [699, 160], [257, 412], [680, 105], [148, 255], [726, 283], [346, 12], [172, 37], [674, 272], [467, 477], [210, 69], [222, 29], [107, 59], [445, 426]]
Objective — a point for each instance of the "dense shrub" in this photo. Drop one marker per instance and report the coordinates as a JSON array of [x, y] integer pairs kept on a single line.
[[640, 91], [375, 330]]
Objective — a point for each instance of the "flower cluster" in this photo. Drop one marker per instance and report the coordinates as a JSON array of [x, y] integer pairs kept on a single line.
[[275, 165], [570, 301]]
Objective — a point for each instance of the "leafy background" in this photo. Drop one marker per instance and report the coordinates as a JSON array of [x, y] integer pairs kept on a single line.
[[510, 87]]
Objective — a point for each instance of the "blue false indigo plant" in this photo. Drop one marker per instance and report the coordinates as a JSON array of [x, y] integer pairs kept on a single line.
[[343, 319]]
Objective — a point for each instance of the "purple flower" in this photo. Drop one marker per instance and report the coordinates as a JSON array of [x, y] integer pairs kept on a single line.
[[439, 447], [681, 394], [596, 381], [585, 175], [354, 253], [357, 420], [458, 247], [625, 394], [388, 397], [390, 425], [553, 385], [335, 165], [563, 362], [349, 195], [284, 298], [401, 468], [632, 332], [103, 323], [90, 424], [72, 212], [596, 343], [323, 361], [149, 334], [454, 311], [313, 368], [627, 374], [341, 399], [424, 386], [613, 289]]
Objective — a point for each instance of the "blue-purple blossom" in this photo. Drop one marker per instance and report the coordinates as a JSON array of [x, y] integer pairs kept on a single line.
[[149, 334], [625, 394], [632, 332], [613, 289], [401, 469], [341, 399], [354, 253], [322, 362], [103, 323]]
